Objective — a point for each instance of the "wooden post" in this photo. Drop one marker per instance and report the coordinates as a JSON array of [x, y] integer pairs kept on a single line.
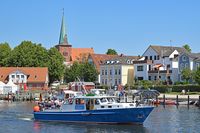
[[177, 100], [164, 100], [188, 101], [156, 101]]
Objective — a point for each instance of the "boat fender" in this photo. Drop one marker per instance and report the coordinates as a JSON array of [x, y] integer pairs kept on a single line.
[[36, 109]]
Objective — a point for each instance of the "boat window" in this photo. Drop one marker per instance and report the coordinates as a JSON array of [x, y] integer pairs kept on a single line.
[[80, 101], [103, 100], [110, 100], [102, 106], [109, 106], [69, 101], [96, 102]]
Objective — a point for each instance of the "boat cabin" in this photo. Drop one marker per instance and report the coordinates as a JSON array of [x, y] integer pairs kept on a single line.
[[93, 103]]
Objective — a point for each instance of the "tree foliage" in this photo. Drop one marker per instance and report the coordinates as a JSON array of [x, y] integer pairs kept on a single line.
[[5, 51], [55, 64], [28, 54], [197, 76], [187, 47], [111, 52], [83, 71], [186, 74]]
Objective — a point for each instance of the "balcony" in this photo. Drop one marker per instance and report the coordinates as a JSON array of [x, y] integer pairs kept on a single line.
[[160, 71]]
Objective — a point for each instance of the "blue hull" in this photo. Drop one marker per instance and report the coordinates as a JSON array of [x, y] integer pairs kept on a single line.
[[121, 116]]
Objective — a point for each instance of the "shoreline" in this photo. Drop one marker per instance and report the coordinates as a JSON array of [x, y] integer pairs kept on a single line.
[[182, 97]]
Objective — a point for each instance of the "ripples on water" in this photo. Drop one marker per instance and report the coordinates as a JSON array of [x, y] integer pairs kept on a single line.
[[18, 118]]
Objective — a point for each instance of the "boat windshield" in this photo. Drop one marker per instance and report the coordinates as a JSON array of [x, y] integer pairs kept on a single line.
[[103, 100], [111, 100]]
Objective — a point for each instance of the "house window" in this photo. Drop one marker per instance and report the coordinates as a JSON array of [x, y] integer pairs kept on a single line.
[[119, 72], [150, 57], [140, 78], [139, 68], [17, 76], [105, 72], [115, 81], [22, 76], [106, 82], [102, 81], [111, 72], [154, 57], [181, 66], [146, 57], [158, 57], [13, 76], [149, 67], [168, 66], [102, 72], [184, 58], [119, 81], [197, 65], [186, 65], [115, 71], [155, 77], [149, 77]]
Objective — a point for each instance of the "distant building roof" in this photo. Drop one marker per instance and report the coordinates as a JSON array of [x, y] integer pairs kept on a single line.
[[81, 54], [195, 56], [35, 74], [100, 58], [167, 50], [125, 60]]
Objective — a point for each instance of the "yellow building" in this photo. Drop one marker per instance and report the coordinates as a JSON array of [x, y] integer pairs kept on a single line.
[[118, 71]]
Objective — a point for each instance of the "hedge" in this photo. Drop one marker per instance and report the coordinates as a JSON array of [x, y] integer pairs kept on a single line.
[[177, 88]]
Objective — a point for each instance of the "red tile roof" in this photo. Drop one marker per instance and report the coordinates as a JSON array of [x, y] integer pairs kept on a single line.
[[35, 74], [78, 54]]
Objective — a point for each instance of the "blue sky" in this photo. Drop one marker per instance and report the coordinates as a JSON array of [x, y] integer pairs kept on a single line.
[[128, 26]]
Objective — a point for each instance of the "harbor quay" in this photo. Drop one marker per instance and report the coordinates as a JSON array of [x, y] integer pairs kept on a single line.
[[181, 97]]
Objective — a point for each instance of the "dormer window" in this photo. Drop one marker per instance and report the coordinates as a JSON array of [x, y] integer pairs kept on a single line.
[[22, 76], [184, 58], [13, 76]]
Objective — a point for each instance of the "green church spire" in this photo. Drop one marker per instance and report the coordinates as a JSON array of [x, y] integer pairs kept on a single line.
[[63, 35]]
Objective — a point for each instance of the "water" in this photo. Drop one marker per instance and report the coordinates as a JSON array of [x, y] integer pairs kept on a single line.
[[17, 118]]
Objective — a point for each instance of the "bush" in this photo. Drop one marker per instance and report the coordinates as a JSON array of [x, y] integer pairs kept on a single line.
[[191, 88]]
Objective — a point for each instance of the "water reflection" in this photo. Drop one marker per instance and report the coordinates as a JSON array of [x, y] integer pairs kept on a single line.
[[87, 128]]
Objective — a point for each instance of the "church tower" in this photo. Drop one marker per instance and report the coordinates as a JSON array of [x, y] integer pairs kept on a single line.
[[64, 47]]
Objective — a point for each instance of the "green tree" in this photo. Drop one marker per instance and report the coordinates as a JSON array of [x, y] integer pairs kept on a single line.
[[89, 73], [186, 74], [111, 52], [197, 75], [28, 54], [83, 71], [5, 51], [187, 47], [72, 73], [55, 65]]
